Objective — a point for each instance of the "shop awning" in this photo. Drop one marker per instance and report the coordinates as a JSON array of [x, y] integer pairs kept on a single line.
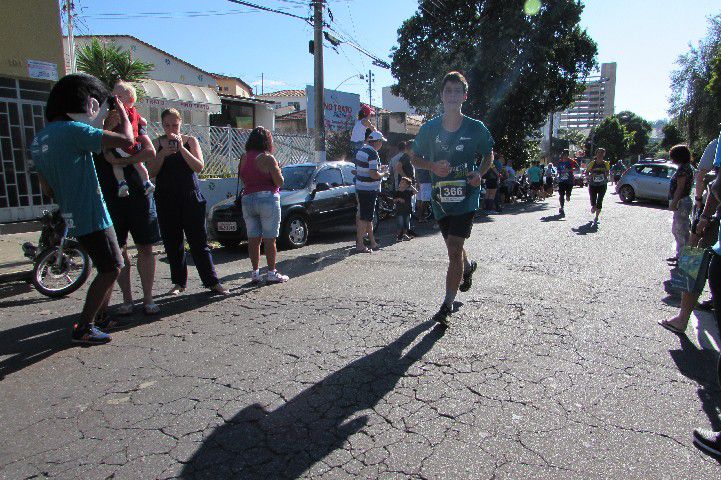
[[186, 96]]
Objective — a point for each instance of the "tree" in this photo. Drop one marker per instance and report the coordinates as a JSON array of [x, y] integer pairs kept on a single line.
[[575, 137], [671, 136], [695, 106], [638, 129], [612, 136], [519, 67], [110, 63]]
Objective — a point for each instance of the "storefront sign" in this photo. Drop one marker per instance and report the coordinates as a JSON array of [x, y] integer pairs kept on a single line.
[[42, 70], [340, 109], [180, 105]]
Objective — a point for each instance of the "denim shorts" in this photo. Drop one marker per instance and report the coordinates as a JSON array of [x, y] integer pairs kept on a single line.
[[261, 212]]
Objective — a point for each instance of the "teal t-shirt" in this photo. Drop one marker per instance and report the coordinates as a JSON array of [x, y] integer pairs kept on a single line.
[[534, 174], [452, 195], [62, 153]]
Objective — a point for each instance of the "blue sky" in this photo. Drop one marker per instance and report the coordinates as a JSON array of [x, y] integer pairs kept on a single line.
[[643, 36]]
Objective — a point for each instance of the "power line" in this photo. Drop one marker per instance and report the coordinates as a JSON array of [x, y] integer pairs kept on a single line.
[[273, 10]]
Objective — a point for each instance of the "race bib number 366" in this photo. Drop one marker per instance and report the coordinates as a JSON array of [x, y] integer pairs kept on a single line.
[[452, 191]]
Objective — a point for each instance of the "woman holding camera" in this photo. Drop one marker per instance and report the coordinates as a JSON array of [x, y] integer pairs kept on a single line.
[[180, 205]]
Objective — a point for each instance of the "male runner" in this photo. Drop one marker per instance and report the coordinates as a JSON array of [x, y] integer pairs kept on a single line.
[[450, 146], [597, 172]]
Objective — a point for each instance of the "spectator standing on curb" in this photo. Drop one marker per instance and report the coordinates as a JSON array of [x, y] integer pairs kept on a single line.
[[492, 178], [180, 205], [597, 171], [134, 214], [404, 168], [680, 197], [363, 123], [369, 174], [451, 147], [393, 162], [550, 175], [262, 179], [535, 177], [705, 165], [62, 154]]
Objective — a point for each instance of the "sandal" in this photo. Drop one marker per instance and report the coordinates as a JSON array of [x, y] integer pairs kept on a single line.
[[363, 250], [151, 308], [175, 290], [671, 327]]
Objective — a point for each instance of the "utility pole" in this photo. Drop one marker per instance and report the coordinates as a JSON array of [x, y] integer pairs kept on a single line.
[[262, 84], [318, 80], [550, 136], [71, 40], [370, 94]]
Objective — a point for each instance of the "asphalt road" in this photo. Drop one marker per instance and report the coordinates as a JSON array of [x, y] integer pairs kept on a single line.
[[554, 367]]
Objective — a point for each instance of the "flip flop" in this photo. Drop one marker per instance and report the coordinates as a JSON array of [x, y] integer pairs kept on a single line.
[[671, 328]]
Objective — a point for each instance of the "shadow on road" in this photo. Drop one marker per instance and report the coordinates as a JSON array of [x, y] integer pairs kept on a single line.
[[28, 344], [586, 228], [700, 364], [645, 204], [285, 442], [553, 218], [302, 265]]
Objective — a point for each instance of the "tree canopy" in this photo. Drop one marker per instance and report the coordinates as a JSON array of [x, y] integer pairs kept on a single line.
[[638, 129], [613, 136], [696, 89], [520, 67], [110, 63]]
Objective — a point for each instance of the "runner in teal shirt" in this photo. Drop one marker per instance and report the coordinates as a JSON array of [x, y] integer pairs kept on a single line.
[[457, 151]]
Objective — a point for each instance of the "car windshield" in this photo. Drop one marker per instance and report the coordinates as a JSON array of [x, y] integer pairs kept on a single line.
[[296, 177]]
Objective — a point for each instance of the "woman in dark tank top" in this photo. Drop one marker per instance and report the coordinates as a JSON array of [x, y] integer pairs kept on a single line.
[[180, 205]]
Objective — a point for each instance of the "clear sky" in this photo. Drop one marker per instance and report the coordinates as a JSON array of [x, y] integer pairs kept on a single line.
[[643, 36]]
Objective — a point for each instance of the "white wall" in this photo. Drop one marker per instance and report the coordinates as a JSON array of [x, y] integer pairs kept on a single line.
[[394, 103], [265, 116], [285, 101], [166, 67]]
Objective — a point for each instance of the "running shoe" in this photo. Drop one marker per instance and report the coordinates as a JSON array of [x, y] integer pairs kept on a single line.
[[442, 315], [256, 277], [708, 441], [276, 277], [468, 277], [89, 335]]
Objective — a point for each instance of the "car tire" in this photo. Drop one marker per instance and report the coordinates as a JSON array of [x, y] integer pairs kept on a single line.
[[229, 243], [294, 231], [626, 194]]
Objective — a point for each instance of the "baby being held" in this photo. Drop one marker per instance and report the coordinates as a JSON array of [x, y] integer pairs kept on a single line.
[[126, 93]]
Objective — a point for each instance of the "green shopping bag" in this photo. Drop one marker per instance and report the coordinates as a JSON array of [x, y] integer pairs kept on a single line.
[[690, 275]]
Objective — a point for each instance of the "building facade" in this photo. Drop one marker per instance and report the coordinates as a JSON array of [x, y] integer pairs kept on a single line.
[[594, 104], [27, 72]]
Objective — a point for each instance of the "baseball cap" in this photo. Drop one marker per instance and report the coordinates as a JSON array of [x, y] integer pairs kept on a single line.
[[365, 110], [376, 136]]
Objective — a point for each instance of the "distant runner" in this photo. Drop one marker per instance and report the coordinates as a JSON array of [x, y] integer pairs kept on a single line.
[[597, 172], [565, 167]]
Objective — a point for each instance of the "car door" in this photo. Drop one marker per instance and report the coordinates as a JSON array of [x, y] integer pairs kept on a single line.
[[662, 181], [326, 204], [645, 180]]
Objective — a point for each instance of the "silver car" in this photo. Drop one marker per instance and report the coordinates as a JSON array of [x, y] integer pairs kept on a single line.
[[649, 181]]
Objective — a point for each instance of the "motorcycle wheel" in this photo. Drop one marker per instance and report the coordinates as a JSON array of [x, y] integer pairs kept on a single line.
[[74, 270]]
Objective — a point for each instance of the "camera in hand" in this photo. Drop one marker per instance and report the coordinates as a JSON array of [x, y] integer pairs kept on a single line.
[[111, 103], [173, 143]]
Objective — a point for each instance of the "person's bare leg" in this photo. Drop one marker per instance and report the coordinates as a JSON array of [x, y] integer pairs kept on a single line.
[[98, 294], [360, 233], [688, 303], [371, 237], [455, 267], [271, 252], [254, 251], [124, 278], [146, 270]]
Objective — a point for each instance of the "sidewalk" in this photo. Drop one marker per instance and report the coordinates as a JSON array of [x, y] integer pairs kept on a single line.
[[12, 261]]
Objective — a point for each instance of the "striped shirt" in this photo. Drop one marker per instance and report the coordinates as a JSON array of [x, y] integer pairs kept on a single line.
[[366, 161]]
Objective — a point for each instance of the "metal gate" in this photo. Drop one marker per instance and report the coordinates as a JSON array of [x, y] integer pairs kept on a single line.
[[22, 113]]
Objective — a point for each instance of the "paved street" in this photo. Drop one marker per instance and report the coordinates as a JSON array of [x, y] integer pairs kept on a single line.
[[553, 368]]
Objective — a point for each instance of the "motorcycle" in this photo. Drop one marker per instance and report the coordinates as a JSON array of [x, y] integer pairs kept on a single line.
[[60, 264]]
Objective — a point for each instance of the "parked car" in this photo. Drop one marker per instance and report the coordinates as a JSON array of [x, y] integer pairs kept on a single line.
[[314, 196], [649, 181]]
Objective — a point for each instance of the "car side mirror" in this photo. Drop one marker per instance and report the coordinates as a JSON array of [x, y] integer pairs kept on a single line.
[[321, 187]]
